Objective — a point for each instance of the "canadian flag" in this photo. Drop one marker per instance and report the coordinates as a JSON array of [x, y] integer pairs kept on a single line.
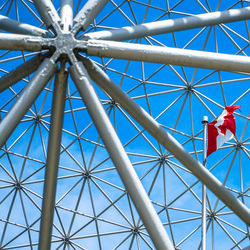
[[222, 129]]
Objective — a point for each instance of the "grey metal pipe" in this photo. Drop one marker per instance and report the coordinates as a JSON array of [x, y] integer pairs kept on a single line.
[[47, 12], [87, 14], [246, 248], [20, 72], [163, 137], [21, 42], [26, 98], [52, 162], [164, 55], [66, 14], [120, 158], [172, 25], [16, 27]]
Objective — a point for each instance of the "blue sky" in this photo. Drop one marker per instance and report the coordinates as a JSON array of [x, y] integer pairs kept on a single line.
[[168, 98]]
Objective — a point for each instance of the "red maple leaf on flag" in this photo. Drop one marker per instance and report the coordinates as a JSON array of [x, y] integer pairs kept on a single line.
[[222, 129]]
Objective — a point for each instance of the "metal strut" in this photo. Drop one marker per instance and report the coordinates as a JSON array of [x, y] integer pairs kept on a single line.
[[172, 25], [163, 137], [120, 159], [26, 98], [52, 162]]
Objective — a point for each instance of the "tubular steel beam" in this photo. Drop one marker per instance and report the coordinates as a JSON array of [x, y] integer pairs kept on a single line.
[[48, 13], [120, 158], [163, 137], [164, 55], [52, 162], [246, 248], [26, 98], [66, 14], [87, 14], [20, 72], [172, 25], [22, 42], [16, 27]]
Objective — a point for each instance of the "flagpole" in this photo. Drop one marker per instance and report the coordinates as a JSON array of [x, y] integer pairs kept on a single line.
[[204, 189]]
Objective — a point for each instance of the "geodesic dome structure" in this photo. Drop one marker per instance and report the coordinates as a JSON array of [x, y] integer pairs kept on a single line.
[[101, 134]]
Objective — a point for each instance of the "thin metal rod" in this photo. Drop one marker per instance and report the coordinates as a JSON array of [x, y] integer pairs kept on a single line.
[[164, 55], [163, 137], [48, 13], [172, 25], [21, 42], [26, 98], [87, 14], [66, 14], [20, 72], [204, 189], [16, 27], [52, 162], [120, 158]]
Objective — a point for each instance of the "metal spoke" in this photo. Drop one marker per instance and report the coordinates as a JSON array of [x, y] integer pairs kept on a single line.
[[191, 58], [158, 67], [87, 14], [167, 26], [120, 159], [20, 72], [29, 94], [66, 14], [21, 42], [168, 141], [53, 159], [20, 28], [48, 13]]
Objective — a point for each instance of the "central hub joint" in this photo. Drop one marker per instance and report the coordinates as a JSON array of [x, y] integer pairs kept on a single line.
[[65, 43]]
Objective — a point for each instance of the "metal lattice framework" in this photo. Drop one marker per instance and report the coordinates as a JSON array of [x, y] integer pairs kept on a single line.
[[101, 136]]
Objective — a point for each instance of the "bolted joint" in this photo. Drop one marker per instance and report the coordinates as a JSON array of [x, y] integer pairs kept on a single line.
[[241, 195], [87, 175], [37, 119], [212, 216], [66, 240], [238, 145], [112, 103], [162, 159], [189, 88], [18, 186], [135, 230]]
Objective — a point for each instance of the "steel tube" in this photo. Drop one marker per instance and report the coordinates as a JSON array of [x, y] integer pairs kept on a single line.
[[172, 25], [163, 137], [120, 158], [16, 27], [20, 72], [87, 14], [164, 55], [22, 42], [246, 248], [66, 14], [47, 12], [52, 162], [26, 98]]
